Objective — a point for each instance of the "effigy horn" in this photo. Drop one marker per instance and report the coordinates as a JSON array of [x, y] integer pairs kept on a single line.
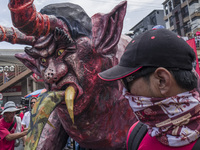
[[14, 36], [25, 17]]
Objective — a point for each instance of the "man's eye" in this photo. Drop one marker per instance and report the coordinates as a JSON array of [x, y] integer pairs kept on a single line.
[[44, 62], [60, 52]]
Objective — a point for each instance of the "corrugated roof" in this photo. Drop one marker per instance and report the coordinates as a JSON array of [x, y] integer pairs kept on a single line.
[[7, 56]]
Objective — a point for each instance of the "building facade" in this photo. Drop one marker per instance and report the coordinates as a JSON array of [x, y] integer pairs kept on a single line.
[[182, 16], [16, 80], [152, 19]]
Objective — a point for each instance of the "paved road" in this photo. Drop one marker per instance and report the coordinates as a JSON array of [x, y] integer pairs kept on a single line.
[[20, 147]]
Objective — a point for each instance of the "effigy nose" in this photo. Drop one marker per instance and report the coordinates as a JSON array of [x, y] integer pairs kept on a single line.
[[50, 75]]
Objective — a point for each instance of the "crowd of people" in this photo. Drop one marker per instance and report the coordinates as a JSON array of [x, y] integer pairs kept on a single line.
[[11, 129], [14, 122]]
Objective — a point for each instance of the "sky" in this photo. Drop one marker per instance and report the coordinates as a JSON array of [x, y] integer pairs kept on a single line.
[[136, 11]]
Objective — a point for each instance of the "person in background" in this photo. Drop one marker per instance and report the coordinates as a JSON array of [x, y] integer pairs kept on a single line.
[[161, 85], [20, 113], [10, 127], [27, 115], [68, 144], [6, 78]]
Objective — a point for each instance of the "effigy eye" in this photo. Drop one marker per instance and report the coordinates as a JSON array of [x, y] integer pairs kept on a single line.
[[43, 60], [60, 52]]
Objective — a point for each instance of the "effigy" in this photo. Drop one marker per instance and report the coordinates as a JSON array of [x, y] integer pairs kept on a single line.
[[67, 49]]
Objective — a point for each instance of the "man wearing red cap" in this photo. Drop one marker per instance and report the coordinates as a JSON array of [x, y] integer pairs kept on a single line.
[[157, 70], [10, 127]]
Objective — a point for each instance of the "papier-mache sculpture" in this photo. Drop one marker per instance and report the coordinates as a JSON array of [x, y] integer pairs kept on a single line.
[[68, 50]]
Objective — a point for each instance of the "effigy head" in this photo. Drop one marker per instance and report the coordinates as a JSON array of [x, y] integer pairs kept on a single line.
[[61, 59], [57, 57], [69, 59]]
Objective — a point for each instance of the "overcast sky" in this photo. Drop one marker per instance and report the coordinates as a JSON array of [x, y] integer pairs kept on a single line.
[[136, 11]]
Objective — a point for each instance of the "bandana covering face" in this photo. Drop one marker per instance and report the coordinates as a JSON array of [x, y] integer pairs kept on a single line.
[[175, 121]]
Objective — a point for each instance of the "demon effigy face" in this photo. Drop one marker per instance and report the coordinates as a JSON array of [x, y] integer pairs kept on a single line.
[[68, 54]]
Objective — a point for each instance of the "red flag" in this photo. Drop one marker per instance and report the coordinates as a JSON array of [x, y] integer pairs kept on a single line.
[[191, 42]]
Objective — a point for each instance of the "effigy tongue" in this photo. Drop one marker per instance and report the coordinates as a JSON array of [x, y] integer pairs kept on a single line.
[[43, 107]]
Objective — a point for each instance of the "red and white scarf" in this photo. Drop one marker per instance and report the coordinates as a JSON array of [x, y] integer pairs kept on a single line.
[[175, 121]]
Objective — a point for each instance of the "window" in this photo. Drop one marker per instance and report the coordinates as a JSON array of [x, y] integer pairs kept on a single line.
[[153, 20], [193, 2], [178, 29], [166, 9], [187, 27], [195, 18], [170, 6], [185, 12], [171, 21], [176, 3], [176, 17]]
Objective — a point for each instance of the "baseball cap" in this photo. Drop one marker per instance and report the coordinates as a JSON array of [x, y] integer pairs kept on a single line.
[[153, 48], [10, 107]]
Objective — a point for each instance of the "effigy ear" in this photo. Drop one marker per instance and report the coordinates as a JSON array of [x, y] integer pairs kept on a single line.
[[107, 28]]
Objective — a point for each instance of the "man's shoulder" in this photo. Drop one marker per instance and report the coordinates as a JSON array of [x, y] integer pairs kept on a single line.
[[1, 121], [27, 113], [3, 124]]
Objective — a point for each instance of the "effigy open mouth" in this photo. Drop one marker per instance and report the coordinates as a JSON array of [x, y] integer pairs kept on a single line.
[[71, 91]]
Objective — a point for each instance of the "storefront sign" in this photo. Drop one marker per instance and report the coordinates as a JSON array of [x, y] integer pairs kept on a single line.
[[7, 68]]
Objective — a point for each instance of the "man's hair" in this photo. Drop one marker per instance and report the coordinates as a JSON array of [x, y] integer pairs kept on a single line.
[[33, 98], [186, 79]]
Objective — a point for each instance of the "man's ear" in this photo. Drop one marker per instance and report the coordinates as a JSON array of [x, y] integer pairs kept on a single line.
[[165, 81]]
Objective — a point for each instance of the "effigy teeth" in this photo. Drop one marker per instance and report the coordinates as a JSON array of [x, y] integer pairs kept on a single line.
[[70, 93]]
